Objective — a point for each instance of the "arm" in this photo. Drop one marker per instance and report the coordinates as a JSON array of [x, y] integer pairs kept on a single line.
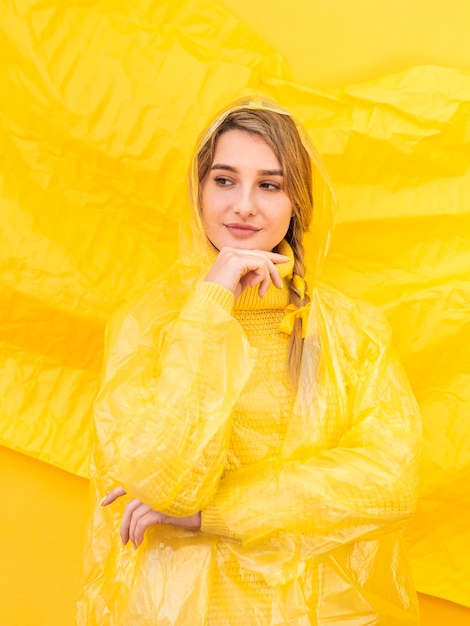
[[163, 412], [361, 487]]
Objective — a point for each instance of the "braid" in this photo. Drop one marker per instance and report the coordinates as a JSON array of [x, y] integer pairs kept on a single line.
[[294, 354]]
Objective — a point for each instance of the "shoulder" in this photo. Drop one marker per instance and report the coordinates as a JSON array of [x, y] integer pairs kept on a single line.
[[152, 307], [353, 310], [358, 327]]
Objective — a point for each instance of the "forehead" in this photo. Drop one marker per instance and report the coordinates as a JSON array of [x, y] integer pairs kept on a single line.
[[240, 145]]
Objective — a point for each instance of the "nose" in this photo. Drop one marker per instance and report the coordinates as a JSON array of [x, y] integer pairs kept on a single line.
[[244, 203]]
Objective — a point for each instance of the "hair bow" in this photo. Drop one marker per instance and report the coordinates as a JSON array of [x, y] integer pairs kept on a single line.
[[291, 314]]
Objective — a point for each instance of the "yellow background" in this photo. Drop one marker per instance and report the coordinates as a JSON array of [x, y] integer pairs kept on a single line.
[[326, 43]]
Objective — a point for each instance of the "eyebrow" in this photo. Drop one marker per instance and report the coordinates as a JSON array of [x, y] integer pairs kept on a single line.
[[230, 168]]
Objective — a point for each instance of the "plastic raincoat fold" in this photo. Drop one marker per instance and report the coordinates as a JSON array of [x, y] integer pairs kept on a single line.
[[311, 536]]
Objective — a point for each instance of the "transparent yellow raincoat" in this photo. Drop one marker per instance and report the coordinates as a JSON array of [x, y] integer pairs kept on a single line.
[[309, 535]]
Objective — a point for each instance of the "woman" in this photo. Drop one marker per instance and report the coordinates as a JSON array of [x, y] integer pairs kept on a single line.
[[267, 439]]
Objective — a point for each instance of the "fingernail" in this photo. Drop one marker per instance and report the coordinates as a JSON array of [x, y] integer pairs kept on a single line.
[[103, 501]]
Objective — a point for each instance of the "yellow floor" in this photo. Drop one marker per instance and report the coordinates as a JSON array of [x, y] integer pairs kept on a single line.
[[42, 521]]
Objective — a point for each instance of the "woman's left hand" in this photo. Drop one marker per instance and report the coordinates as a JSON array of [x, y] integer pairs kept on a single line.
[[138, 516]]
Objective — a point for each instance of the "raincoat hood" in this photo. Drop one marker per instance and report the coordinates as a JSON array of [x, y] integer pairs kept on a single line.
[[316, 242]]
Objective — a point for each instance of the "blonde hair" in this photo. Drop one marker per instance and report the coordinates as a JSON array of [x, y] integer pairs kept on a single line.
[[280, 133]]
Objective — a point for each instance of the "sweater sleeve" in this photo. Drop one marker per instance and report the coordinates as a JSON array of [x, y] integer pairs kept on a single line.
[[363, 486], [163, 412]]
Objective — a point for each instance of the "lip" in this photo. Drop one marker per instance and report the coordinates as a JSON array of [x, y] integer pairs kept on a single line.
[[242, 230]]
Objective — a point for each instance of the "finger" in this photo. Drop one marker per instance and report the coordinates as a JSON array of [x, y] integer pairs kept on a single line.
[[254, 273], [228, 254], [260, 271], [126, 519], [113, 495], [139, 512], [270, 259], [265, 281], [276, 277], [145, 521], [270, 274], [275, 257]]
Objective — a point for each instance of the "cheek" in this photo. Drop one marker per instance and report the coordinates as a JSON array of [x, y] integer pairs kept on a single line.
[[288, 212], [285, 222], [208, 204], [204, 210], [209, 217]]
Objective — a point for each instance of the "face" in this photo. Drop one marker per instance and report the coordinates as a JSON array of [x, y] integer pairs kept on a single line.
[[244, 201]]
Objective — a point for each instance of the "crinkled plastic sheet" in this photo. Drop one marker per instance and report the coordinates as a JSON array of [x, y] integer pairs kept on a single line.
[[100, 108]]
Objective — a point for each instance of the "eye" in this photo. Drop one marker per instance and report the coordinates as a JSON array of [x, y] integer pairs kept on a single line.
[[270, 186], [222, 181]]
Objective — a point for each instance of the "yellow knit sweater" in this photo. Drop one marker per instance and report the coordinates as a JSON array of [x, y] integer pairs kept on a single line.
[[258, 429]]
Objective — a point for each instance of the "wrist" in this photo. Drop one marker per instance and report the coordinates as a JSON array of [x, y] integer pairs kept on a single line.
[[193, 522], [215, 292]]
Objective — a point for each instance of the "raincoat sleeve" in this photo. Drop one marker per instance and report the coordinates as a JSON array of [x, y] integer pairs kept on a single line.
[[365, 485], [162, 415]]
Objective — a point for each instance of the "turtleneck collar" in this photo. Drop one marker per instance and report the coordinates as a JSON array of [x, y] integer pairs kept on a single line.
[[274, 298]]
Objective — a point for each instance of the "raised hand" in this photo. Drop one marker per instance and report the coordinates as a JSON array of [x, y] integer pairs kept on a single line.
[[237, 269]]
